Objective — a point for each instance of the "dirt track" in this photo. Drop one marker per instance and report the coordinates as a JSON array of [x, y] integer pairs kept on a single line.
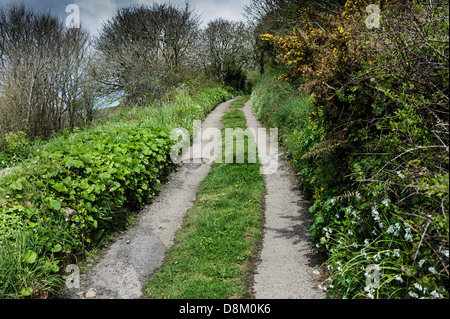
[[286, 266], [286, 261]]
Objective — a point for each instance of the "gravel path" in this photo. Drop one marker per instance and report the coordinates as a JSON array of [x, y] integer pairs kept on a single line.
[[122, 271], [286, 266]]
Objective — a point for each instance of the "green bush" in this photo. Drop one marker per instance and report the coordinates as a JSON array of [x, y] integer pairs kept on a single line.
[[79, 187]]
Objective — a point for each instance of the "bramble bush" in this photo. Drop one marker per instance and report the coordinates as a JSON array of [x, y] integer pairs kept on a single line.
[[74, 190], [378, 170]]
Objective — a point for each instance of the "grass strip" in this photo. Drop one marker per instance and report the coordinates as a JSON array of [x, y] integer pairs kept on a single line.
[[213, 251]]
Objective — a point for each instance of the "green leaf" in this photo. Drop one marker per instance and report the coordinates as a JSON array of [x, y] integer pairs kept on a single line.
[[56, 248], [55, 156], [105, 175], [59, 187], [26, 291], [86, 195], [29, 257], [75, 163], [53, 204], [39, 184], [16, 185]]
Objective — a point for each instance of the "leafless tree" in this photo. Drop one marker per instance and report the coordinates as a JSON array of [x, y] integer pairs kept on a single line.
[[226, 45], [42, 82]]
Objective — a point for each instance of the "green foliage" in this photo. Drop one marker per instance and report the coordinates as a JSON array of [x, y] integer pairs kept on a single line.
[[378, 198], [278, 103], [14, 147], [24, 270], [79, 187]]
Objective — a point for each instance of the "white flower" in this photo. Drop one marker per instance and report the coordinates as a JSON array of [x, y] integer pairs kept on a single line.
[[390, 230], [408, 235], [418, 286], [399, 278], [316, 272], [400, 174], [421, 262], [413, 295], [445, 252], [386, 201], [435, 294], [366, 242], [432, 270]]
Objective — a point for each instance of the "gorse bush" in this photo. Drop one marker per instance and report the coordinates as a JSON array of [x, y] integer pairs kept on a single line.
[[79, 187], [378, 166]]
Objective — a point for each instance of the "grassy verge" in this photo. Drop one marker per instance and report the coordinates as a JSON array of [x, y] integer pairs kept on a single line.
[[75, 190], [219, 237]]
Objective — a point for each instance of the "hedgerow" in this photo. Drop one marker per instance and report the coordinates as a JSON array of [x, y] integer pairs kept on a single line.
[[377, 168]]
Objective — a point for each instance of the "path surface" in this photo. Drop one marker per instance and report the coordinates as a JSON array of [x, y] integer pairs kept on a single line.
[[123, 270], [286, 266]]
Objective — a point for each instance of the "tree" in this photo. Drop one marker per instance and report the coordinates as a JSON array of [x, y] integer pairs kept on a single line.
[[42, 78], [144, 50], [227, 46]]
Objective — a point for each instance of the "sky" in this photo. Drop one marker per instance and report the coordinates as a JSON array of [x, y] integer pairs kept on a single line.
[[94, 12]]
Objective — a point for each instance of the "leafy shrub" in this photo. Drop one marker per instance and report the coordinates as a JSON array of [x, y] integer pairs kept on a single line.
[[379, 169], [15, 146], [81, 186]]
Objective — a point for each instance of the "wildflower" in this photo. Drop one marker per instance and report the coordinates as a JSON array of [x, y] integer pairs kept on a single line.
[[418, 286], [396, 252], [433, 270], [399, 278], [413, 295], [375, 214], [445, 252], [390, 230], [435, 294], [400, 174]]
